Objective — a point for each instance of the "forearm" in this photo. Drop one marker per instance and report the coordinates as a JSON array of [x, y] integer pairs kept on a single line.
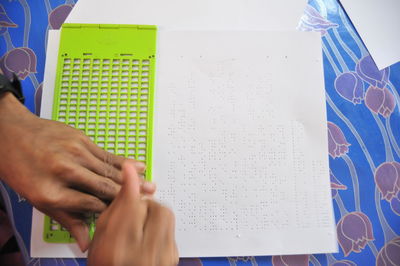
[[12, 115]]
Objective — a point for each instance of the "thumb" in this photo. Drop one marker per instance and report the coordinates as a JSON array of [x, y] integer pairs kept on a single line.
[[130, 180], [77, 228], [80, 232]]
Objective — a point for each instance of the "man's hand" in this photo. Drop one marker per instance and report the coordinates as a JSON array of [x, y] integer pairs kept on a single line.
[[134, 231], [57, 168]]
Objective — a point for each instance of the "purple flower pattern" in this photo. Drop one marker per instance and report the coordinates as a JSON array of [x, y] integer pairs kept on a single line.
[[343, 263], [354, 231], [368, 71], [395, 204], [5, 21], [389, 255], [21, 61], [290, 260], [58, 16], [350, 86], [380, 101], [378, 98], [335, 185], [313, 21], [387, 179], [365, 69], [337, 143]]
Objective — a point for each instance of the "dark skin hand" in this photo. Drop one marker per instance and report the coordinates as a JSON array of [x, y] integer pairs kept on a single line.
[[58, 169], [134, 230]]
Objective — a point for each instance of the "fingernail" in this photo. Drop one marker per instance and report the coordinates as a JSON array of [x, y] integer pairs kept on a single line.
[[148, 186], [140, 165]]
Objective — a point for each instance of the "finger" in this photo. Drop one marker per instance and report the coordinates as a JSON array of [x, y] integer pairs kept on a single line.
[[128, 210], [176, 253], [108, 170], [169, 249], [140, 166], [78, 202], [107, 157], [91, 162], [172, 242], [104, 169], [131, 183], [158, 224], [111, 159], [114, 160], [77, 227], [147, 187], [80, 232], [174, 246], [87, 181]]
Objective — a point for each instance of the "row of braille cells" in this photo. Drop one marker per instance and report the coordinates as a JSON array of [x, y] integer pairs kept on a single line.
[[113, 98], [114, 75], [88, 63], [103, 79], [108, 64]]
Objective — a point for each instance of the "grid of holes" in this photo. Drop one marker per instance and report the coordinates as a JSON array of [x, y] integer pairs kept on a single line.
[[56, 226], [109, 100]]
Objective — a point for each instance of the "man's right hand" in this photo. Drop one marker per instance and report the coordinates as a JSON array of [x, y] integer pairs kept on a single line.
[[134, 230]]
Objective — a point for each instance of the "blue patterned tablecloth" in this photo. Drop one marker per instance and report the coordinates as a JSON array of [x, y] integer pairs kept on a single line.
[[363, 130]]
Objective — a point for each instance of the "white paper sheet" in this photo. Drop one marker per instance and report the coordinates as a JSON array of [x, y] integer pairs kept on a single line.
[[377, 22], [192, 14], [40, 248], [240, 143], [53, 41], [251, 62]]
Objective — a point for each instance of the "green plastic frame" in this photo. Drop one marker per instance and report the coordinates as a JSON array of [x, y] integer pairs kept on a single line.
[[105, 87]]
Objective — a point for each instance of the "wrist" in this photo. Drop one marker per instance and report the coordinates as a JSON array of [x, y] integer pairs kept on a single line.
[[11, 109], [13, 117], [7, 100]]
